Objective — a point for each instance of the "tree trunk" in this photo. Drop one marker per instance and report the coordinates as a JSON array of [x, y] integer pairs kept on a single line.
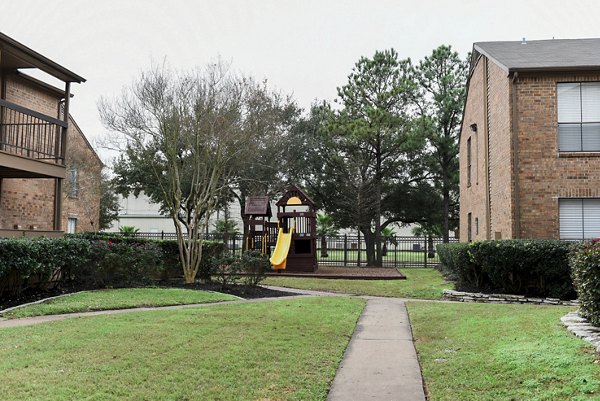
[[324, 253], [446, 229], [369, 246], [378, 179]]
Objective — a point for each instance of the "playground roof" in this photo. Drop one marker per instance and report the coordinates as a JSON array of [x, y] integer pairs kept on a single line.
[[298, 192], [258, 206]]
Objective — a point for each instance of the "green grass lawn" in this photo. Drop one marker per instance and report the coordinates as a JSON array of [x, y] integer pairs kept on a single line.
[[484, 352], [423, 283], [117, 299], [278, 350], [399, 256]]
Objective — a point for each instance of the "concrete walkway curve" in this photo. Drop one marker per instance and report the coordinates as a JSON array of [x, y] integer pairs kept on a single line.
[[380, 363]]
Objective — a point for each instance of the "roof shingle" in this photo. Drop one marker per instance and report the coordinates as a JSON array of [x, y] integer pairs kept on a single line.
[[539, 55]]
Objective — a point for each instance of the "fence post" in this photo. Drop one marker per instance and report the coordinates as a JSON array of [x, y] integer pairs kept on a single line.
[[234, 247], [358, 249], [345, 250], [395, 251], [425, 251], [162, 234]]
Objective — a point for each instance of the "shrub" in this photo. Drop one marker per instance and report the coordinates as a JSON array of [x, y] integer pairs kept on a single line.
[[37, 262], [527, 267], [250, 269], [91, 261], [585, 269], [254, 265], [226, 270]]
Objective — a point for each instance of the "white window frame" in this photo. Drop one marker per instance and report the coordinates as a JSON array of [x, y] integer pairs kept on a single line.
[[578, 116], [71, 225], [579, 218]]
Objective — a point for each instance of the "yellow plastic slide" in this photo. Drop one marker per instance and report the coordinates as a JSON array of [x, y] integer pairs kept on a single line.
[[282, 248]]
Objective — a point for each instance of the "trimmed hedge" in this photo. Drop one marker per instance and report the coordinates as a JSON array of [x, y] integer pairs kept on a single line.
[[92, 261], [585, 269], [523, 267]]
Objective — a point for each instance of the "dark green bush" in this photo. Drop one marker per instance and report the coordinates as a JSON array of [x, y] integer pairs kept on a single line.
[[91, 261], [527, 267], [38, 262], [585, 269], [254, 265], [226, 270], [250, 269]]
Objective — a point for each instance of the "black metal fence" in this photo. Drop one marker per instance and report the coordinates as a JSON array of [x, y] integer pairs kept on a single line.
[[347, 250]]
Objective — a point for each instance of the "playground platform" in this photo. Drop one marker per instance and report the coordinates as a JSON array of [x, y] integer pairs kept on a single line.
[[348, 273]]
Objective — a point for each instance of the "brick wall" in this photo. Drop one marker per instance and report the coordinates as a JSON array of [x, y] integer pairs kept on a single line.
[[85, 207], [500, 153], [489, 106], [544, 174], [25, 93], [27, 203]]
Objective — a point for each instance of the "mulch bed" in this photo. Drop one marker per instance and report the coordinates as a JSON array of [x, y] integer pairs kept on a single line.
[[348, 273], [237, 290]]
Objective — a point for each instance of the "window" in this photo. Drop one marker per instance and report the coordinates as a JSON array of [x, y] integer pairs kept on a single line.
[[469, 162], [73, 183], [578, 116], [71, 225], [469, 228], [476, 226], [579, 218]]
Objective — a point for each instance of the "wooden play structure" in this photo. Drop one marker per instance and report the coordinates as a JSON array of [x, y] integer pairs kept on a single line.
[[293, 236], [261, 234]]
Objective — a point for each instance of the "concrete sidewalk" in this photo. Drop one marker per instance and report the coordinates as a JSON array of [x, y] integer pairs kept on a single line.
[[380, 362]]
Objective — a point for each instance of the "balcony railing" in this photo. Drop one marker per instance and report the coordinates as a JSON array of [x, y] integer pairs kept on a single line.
[[30, 134]]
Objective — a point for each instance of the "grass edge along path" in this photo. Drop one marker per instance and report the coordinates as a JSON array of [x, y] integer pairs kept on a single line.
[[421, 283], [122, 298], [278, 350], [485, 352]]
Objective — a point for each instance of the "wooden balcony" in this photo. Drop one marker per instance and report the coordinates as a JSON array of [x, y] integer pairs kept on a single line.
[[32, 145]]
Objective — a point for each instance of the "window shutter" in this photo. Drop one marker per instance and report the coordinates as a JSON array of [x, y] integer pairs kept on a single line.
[[569, 102], [571, 218], [591, 218], [590, 102], [569, 137], [590, 137]]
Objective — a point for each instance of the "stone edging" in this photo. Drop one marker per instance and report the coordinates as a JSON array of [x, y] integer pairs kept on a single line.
[[460, 296], [582, 329]]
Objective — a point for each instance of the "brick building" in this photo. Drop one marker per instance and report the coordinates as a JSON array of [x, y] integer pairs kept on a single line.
[[530, 141], [49, 174]]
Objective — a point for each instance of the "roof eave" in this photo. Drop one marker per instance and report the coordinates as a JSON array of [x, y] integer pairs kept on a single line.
[[555, 69], [39, 61]]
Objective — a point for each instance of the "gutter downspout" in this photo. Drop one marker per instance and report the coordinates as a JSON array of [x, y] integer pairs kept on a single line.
[[486, 145], [515, 160]]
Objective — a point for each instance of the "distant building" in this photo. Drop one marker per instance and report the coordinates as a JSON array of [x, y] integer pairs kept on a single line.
[[141, 213], [530, 141]]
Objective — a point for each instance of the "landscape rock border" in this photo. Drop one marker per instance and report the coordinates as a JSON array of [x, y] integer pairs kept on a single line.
[[461, 296], [582, 328]]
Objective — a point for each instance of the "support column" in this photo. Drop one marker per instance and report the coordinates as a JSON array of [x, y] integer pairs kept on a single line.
[[57, 204]]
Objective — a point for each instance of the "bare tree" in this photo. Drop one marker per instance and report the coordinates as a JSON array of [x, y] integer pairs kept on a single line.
[[182, 133]]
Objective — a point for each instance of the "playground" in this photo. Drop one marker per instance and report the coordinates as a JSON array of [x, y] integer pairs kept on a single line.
[[291, 241], [293, 250]]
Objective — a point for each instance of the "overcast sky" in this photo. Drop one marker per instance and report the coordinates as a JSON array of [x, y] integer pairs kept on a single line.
[[303, 47]]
